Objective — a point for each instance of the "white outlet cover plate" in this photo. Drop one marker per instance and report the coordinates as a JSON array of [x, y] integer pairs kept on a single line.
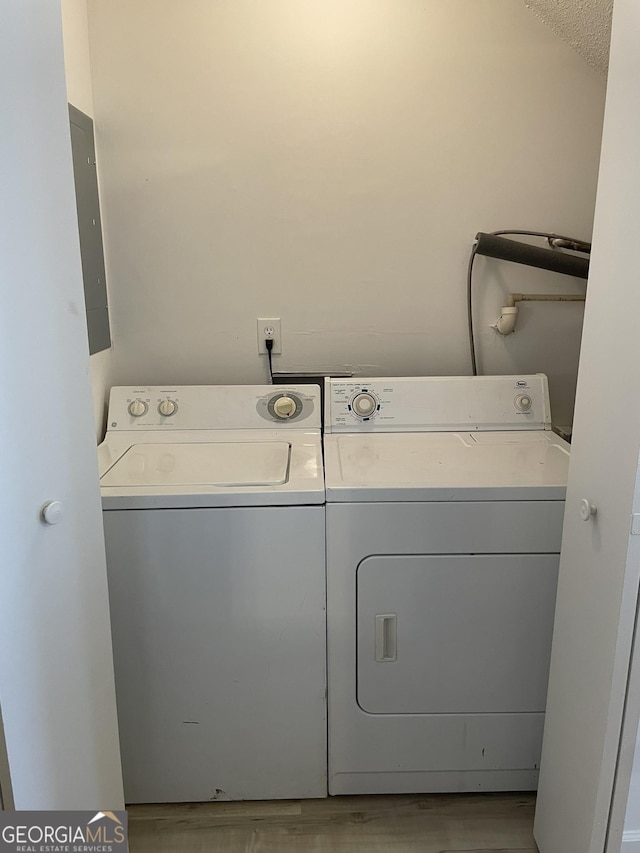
[[274, 323]]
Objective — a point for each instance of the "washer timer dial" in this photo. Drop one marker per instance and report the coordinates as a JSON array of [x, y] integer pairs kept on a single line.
[[285, 407]]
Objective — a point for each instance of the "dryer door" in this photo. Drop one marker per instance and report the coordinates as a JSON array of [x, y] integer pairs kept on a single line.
[[455, 634]]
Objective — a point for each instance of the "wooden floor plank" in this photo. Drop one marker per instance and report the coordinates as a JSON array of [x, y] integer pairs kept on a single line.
[[477, 823]]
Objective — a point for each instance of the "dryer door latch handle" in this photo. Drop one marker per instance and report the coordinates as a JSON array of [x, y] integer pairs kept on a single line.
[[386, 637]]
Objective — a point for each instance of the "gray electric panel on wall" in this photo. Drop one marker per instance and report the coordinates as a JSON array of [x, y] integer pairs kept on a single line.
[[90, 228]]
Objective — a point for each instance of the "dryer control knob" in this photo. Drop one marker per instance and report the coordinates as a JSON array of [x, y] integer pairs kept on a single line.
[[137, 408], [364, 405], [167, 408], [523, 402], [285, 407]]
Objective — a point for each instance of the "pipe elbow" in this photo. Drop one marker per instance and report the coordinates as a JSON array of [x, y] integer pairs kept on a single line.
[[506, 322]]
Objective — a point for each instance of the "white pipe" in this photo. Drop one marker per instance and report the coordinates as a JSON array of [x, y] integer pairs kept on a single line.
[[506, 322], [544, 297]]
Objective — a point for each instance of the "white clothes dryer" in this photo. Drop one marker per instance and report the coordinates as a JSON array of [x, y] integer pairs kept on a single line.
[[445, 501], [214, 525]]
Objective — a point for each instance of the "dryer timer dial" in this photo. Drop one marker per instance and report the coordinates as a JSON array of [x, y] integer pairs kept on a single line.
[[364, 404]]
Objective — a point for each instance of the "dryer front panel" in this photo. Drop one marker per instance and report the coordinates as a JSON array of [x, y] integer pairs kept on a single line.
[[455, 634], [426, 605]]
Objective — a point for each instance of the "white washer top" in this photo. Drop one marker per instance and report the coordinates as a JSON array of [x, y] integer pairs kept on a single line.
[[425, 455], [196, 457]]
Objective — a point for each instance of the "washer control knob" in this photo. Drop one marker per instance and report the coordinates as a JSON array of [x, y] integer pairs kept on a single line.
[[364, 404], [587, 510], [137, 408], [284, 408], [523, 402], [167, 408]]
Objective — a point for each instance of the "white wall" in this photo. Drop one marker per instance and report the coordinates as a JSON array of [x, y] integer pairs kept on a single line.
[[330, 163], [78, 78], [75, 32]]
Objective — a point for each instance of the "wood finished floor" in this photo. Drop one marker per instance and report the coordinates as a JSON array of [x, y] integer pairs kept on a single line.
[[438, 823]]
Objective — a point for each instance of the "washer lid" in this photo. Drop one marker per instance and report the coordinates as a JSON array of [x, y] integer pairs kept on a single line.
[[233, 464], [446, 466]]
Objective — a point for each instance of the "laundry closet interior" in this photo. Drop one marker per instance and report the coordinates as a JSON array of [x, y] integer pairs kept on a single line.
[[336, 368]]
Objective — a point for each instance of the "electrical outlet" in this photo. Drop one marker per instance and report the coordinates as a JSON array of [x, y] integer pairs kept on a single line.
[[269, 328]]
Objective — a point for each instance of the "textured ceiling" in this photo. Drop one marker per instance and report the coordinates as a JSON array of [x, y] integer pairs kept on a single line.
[[584, 24]]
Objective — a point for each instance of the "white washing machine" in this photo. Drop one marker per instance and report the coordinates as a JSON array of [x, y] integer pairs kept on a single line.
[[214, 524], [445, 500]]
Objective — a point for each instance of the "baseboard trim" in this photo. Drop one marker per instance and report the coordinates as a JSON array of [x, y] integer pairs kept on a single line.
[[631, 842]]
